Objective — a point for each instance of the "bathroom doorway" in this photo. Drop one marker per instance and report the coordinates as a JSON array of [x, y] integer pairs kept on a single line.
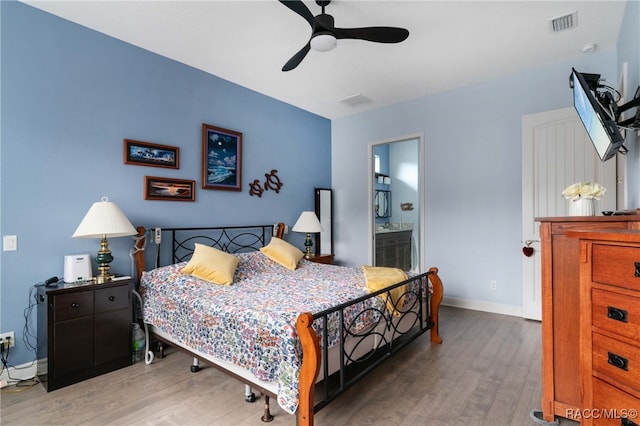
[[397, 202]]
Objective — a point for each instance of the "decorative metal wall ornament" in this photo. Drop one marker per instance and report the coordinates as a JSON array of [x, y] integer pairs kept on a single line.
[[405, 207], [255, 188], [272, 181]]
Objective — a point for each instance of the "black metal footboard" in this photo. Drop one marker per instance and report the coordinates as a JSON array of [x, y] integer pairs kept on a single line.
[[360, 351]]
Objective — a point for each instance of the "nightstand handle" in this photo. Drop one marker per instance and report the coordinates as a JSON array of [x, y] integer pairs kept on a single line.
[[637, 266], [112, 298], [618, 361], [616, 314], [75, 305]]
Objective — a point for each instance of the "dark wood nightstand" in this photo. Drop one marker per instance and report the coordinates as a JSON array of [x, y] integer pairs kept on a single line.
[[322, 258], [84, 330]]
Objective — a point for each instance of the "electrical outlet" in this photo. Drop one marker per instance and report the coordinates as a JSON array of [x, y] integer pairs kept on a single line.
[[8, 337], [493, 285]]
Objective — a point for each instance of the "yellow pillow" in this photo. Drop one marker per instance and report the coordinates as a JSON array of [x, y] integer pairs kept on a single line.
[[283, 253], [211, 264]]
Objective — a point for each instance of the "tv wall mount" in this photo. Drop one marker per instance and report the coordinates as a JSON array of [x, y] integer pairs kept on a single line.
[[605, 95]]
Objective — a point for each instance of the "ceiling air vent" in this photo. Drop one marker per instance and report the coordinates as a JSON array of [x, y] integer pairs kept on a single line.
[[356, 100], [564, 22]]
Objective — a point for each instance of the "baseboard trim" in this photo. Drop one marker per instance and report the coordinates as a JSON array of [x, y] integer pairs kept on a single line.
[[20, 372], [480, 305]]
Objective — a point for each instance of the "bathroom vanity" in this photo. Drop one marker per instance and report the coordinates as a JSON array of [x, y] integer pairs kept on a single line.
[[393, 246]]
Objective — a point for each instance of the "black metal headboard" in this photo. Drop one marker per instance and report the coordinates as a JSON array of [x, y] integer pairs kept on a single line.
[[231, 239]]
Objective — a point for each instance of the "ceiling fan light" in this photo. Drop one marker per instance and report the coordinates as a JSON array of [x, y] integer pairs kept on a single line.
[[323, 42]]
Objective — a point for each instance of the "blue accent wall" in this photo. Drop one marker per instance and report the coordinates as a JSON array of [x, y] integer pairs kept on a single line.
[[70, 96]]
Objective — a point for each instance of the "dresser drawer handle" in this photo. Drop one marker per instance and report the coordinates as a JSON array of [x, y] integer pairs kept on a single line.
[[618, 361], [112, 298], [75, 305], [616, 314], [637, 265], [626, 422]]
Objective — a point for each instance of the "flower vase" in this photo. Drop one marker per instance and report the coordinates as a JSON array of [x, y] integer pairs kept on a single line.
[[582, 207]]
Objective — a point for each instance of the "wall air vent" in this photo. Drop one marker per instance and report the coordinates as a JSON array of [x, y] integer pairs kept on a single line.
[[564, 22], [355, 100]]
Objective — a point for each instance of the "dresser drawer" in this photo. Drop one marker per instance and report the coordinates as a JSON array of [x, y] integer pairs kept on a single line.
[[616, 361], [616, 312], [610, 403], [72, 305], [112, 298], [616, 266]]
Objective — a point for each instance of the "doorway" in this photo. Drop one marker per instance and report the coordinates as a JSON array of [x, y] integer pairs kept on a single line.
[[556, 152], [396, 202]]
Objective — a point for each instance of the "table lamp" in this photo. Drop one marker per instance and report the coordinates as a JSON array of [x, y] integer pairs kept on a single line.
[[307, 222], [104, 219]]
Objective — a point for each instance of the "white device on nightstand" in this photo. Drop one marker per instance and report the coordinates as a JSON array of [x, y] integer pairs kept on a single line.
[[77, 267]]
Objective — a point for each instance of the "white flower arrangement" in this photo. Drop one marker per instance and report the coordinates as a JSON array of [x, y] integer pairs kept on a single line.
[[587, 190]]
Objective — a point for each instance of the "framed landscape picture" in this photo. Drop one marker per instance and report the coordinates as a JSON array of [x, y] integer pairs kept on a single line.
[[221, 158], [160, 188], [151, 154]]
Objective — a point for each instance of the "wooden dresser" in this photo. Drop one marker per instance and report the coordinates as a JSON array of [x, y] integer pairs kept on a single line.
[[610, 326], [561, 394]]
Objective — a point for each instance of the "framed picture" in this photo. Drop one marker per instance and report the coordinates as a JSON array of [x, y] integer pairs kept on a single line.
[[160, 188], [151, 154], [221, 158]]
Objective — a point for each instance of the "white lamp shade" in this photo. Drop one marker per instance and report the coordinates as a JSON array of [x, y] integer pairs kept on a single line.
[[104, 218], [323, 42], [307, 222]]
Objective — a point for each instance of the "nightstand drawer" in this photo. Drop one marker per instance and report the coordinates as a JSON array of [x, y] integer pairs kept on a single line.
[[617, 313], [72, 305], [618, 266], [112, 298], [616, 360]]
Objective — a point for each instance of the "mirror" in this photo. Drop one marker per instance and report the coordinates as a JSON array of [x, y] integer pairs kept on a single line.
[[324, 211], [382, 203]]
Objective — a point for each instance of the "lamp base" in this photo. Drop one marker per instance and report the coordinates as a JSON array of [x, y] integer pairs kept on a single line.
[[103, 278], [104, 258], [308, 243]]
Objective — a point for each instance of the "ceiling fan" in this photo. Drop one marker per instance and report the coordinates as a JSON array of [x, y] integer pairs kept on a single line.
[[324, 33]]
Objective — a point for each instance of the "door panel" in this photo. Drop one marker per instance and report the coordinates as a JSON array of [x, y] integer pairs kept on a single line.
[[556, 152]]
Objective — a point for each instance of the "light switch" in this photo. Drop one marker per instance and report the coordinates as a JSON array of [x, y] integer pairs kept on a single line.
[[9, 242]]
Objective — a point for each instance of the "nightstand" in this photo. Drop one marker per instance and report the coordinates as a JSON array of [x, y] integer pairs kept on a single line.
[[322, 258], [84, 330]]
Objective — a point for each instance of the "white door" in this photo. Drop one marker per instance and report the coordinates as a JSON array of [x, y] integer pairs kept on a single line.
[[556, 152]]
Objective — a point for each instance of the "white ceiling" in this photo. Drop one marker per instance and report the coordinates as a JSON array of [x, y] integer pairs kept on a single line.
[[451, 43]]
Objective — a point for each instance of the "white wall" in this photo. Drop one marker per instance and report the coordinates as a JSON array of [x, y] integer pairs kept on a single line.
[[629, 53], [473, 175]]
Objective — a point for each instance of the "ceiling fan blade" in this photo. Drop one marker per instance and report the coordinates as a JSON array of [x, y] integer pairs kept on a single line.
[[300, 8], [297, 58], [376, 34]]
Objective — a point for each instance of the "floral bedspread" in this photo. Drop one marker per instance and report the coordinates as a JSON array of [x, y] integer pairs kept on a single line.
[[251, 323]]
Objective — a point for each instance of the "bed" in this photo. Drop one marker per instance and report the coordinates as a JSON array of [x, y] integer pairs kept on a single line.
[[302, 335]]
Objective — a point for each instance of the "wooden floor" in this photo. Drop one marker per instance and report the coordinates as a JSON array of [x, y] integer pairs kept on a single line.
[[487, 372]]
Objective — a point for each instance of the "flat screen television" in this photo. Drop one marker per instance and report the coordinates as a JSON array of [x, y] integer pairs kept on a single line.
[[599, 124]]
